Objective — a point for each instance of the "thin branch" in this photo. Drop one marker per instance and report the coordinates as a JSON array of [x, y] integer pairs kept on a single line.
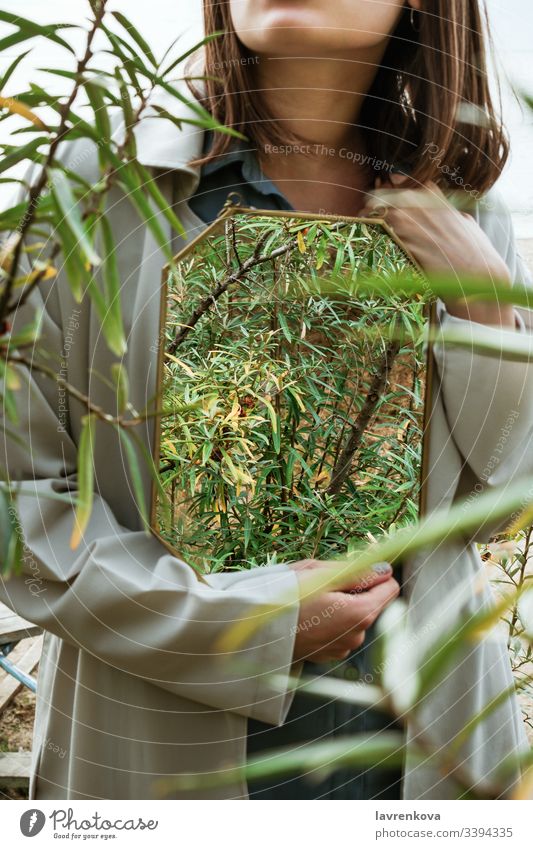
[[38, 187], [238, 276], [368, 410]]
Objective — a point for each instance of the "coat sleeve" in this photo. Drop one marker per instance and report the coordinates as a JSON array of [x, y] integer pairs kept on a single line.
[[121, 596], [488, 399]]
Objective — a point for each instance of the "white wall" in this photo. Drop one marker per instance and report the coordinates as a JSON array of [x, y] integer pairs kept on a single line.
[[162, 20]]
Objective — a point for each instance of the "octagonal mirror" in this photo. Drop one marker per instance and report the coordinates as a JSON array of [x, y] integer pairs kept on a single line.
[[292, 397]]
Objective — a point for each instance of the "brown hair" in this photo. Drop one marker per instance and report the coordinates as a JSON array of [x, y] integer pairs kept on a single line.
[[428, 111]]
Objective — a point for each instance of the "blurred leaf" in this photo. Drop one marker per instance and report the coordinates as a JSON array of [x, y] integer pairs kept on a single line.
[[433, 667], [69, 206], [28, 29], [12, 68], [163, 504], [11, 542], [113, 324], [17, 108], [120, 379], [85, 479], [442, 525], [400, 673], [157, 196], [314, 760], [98, 104], [525, 611], [136, 477], [135, 34], [168, 70], [19, 154]]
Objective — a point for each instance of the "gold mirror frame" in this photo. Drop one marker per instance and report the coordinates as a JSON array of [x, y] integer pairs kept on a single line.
[[220, 228]]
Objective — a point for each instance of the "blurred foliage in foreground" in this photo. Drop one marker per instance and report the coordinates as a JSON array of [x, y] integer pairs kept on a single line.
[[60, 218]]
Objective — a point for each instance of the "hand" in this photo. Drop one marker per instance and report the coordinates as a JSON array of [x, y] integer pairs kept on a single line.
[[332, 624], [444, 240]]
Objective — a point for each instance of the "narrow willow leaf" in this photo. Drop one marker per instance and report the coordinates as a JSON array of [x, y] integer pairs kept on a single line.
[[136, 196], [27, 335], [28, 29], [85, 479], [69, 206], [136, 477], [400, 672], [163, 503], [98, 104], [190, 52], [318, 759], [6, 528], [121, 381], [434, 666], [136, 36], [157, 196], [442, 525], [113, 323], [76, 269], [525, 611], [12, 68], [12, 378], [11, 541], [17, 108]]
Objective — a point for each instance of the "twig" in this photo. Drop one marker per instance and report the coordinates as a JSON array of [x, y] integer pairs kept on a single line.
[[342, 467], [238, 276], [38, 187]]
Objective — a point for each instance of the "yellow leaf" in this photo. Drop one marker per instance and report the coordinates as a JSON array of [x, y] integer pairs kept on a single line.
[[12, 378], [182, 365], [43, 274], [17, 108], [522, 521], [301, 242]]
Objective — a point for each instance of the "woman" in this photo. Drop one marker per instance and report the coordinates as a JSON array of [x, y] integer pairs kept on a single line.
[[131, 685]]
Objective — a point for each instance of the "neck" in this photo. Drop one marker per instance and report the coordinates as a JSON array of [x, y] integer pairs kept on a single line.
[[318, 100]]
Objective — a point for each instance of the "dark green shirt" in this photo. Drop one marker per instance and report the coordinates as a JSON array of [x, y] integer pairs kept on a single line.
[[309, 719]]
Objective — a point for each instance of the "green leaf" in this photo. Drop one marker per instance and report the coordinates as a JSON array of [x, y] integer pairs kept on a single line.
[[442, 525], [77, 273], [28, 29], [99, 107], [113, 324], [19, 154], [135, 34], [314, 759], [135, 195], [153, 189], [164, 506], [136, 477], [85, 479], [62, 192], [121, 381], [11, 542], [12, 68]]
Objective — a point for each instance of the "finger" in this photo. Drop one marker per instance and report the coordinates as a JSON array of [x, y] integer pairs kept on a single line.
[[375, 600], [379, 573]]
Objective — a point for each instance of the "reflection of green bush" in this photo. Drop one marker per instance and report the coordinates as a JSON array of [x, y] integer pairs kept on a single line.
[[308, 428]]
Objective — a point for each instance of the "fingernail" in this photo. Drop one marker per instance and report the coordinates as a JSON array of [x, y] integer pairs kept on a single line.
[[381, 568], [396, 178]]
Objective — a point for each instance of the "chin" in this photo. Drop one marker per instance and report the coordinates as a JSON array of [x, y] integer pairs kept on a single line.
[[301, 29]]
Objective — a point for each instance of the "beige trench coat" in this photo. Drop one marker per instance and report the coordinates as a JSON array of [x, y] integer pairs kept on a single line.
[[131, 686]]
